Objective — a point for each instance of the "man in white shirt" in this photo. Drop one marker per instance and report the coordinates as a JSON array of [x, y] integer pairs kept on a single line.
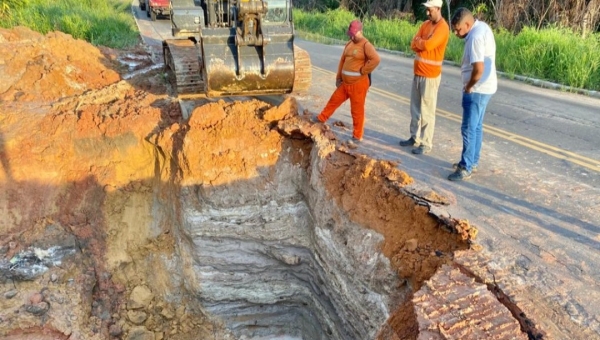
[[479, 84]]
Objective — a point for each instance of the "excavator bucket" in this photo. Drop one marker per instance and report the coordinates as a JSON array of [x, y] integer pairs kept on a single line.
[[226, 48], [247, 70]]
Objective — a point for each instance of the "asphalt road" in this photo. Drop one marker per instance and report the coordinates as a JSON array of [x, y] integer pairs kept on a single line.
[[536, 196]]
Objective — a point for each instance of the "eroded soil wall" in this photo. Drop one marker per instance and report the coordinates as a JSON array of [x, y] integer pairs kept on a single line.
[[121, 219]]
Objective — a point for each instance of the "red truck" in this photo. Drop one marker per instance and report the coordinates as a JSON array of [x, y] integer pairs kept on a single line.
[[155, 8]]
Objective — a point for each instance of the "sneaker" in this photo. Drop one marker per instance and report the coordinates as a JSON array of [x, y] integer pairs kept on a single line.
[[459, 175], [473, 168], [421, 150], [315, 119], [352, 142], [409, 142]]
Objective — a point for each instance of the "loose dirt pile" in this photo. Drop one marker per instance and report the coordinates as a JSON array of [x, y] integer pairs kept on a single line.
[[92, 167], [77, 177], [45, 68]]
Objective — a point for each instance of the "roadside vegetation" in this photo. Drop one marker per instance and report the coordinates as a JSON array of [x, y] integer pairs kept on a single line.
[[553, 53], [105, 22]]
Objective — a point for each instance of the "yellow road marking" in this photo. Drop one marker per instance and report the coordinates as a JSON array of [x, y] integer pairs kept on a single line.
[[550, 150]]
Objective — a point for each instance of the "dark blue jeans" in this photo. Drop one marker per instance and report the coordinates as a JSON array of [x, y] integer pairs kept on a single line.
[[474, 105]]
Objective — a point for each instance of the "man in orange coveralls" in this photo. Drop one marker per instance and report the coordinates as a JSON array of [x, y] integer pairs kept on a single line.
[[358, 60], [429, 44]]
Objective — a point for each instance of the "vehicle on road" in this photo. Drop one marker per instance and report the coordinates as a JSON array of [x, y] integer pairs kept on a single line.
[[154, 8], [233, 47]]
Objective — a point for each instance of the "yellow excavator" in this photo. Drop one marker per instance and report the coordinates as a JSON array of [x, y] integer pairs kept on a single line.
[[234, 47]]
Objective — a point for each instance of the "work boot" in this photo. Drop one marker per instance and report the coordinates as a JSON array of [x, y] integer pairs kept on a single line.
[[460, 174], [473, 168], [409, 142], [421, 150]]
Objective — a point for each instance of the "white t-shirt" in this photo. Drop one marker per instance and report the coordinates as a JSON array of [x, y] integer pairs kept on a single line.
[[480, 46]]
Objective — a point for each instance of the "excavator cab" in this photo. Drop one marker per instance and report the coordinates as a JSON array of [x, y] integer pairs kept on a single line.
[[234, 47]]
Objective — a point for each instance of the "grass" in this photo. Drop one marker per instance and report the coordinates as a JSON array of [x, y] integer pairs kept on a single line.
[[101, 22], [553, 54]]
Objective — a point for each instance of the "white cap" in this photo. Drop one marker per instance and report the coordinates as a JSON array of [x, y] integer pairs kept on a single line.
[[433, 3]]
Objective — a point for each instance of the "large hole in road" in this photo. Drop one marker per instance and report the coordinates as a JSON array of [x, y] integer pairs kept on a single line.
[[121, 220], [294, 239], [243, 222]]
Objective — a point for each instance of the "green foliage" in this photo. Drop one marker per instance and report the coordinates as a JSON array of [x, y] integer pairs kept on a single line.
[[553, 54], [454, 50], [389, 34], [108, 23], [482, 11], [7, 6], [332, 23], [419, 10]]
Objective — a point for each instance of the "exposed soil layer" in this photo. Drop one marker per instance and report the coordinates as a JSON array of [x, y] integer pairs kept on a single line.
[[104, 182]]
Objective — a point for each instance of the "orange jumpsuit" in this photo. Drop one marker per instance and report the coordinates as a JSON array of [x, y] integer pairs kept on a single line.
[[358, 60]]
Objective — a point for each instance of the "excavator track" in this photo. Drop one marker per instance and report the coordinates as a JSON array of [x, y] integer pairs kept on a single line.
[[183, 66], [302, 70]]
